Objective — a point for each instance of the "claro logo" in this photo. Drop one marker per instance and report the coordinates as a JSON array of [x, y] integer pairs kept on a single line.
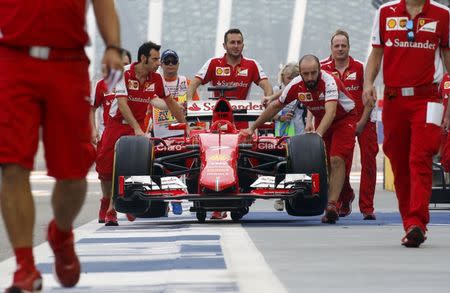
[[419, 45]]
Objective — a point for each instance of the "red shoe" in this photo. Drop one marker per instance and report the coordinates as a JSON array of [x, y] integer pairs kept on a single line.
[[104, 205], [111, 218], [67, 266], [26, 281], [331, 213], [130, 217], [414, 237], [217, 215], [346, 207]]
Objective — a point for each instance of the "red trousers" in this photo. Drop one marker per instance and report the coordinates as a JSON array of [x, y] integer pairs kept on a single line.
[[368, 146], [410, 143]]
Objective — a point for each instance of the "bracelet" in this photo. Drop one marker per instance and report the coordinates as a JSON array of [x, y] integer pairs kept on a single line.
[[115, 48]]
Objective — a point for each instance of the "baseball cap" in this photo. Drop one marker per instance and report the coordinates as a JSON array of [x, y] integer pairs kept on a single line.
[[169, 53]]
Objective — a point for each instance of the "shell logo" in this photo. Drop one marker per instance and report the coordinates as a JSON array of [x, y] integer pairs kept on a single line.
[[219, 71], [403, 22], [219, 157], [392, 23]]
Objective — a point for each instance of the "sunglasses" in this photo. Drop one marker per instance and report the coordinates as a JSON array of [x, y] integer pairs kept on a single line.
[[170, 61], [410, 30]]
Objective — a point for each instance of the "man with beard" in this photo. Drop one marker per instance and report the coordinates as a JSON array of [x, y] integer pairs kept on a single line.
[[140, 86], [335, 120], [232, 69], [351, 72]]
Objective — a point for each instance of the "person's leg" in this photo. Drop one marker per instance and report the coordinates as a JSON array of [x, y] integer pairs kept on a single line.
[[347, 194], [106, 186], [17, 205], [340, 142], [337, 177], [69, 154], [67, 199], [18, 213], [19, 127], [396, 146], [425, 142], [369, 149]]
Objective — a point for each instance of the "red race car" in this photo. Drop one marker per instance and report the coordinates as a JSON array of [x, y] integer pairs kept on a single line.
[[217, 169]]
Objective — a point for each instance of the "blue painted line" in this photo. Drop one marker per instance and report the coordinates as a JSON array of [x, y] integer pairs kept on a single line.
[[110, 240], [355, 219], [183, 263]]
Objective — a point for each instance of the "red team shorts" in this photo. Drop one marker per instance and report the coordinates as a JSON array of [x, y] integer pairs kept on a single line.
[[340, 137], [52, 94]]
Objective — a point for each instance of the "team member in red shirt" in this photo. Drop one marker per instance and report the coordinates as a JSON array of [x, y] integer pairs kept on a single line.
[[335, 120], [351, 73], [140, 85], [409, 36], [232, 69], [101, 101], [47, 84]]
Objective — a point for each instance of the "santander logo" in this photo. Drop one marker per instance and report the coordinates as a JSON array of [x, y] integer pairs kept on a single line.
[[405, 44], [194, 107]]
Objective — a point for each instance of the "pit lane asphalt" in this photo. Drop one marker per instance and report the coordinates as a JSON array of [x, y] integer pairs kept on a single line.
[[305, 255]]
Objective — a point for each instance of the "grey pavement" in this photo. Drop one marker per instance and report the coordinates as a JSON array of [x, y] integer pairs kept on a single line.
[[308, 256]]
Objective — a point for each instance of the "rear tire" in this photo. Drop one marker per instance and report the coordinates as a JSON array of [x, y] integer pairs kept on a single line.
[[306, 154]]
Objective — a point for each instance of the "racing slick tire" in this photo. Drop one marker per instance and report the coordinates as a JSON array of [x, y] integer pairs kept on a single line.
[[133, 156], [306, 154]]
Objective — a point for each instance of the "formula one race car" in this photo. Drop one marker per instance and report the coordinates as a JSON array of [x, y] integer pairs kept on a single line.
[[217, 168]]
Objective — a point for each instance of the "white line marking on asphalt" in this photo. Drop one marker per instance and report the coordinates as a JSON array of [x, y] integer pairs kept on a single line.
[[165, 254], [295, 39], [223, 24], [246, 263], [155, 20]]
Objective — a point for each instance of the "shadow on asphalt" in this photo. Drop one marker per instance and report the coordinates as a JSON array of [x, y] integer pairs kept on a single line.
[[276, 219]]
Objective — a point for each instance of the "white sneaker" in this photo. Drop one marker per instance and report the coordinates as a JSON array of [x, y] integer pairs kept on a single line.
[[278, 204]]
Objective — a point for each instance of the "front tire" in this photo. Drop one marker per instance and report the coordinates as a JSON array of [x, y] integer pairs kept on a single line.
[[306, 154], [132, 156]]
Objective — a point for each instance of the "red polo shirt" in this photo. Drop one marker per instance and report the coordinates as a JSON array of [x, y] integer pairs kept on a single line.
[[52, 23], [352, 78], [417, 62], [328, 89], [220, 73], [103, 100], [138, 95]]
